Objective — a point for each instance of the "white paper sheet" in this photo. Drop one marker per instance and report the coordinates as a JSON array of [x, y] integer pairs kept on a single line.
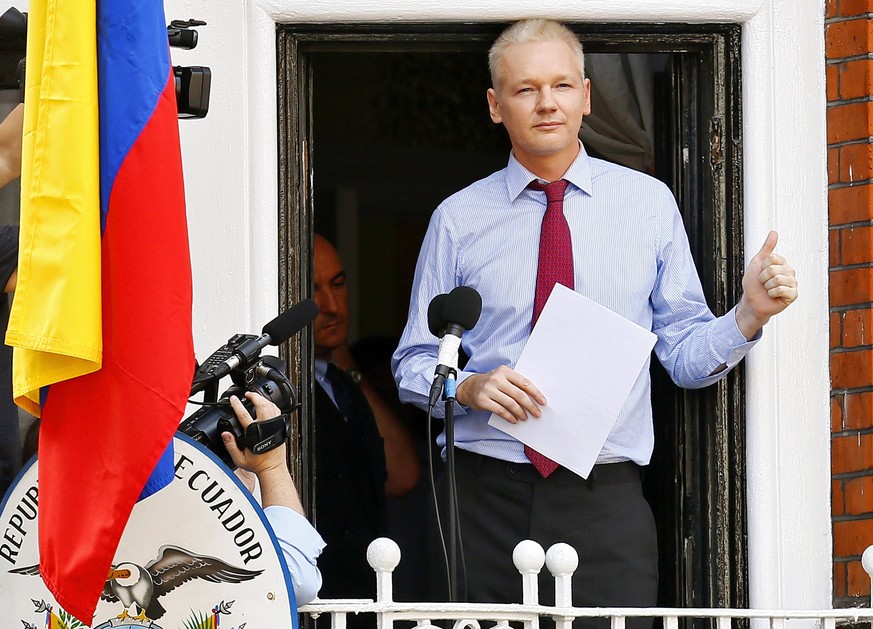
[[585, 359]]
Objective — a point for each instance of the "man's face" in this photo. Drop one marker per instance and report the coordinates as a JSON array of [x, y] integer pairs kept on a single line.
[[541, 101], [332, 323]]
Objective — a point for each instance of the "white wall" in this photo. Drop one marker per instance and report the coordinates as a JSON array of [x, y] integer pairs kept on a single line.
[[231, 180]]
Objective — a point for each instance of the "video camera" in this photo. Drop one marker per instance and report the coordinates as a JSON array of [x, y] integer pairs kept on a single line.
[[192, 82], [241, 359]]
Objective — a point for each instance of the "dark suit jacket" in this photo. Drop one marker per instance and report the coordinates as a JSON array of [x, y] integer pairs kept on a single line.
[[10, 442], [349, 493]]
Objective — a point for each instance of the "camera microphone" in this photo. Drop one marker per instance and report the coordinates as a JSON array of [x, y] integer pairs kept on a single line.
[[275, 332], [290, 322]]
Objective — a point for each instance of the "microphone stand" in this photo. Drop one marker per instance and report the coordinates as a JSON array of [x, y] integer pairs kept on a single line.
[[451, 486]]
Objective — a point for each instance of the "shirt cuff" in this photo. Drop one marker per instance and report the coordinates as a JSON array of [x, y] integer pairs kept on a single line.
[[728, 342], [439, 409], [460, 409]]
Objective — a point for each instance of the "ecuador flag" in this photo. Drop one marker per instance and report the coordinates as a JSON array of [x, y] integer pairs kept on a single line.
[[101, 320]]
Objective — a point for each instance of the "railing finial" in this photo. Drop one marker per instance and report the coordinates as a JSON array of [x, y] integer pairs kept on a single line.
[[867, 561], [383, 554], [529, 557], [562, 560], [867, 564]]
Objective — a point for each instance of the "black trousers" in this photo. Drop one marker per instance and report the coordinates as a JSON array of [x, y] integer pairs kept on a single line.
[[605, 518]]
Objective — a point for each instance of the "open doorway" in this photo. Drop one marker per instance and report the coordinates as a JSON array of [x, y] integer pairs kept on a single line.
[[379, 125]]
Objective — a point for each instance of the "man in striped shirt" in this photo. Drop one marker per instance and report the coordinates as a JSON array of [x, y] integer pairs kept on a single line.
[[630, 253]]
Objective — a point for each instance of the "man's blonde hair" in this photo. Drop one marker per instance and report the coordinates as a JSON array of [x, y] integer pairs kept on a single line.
[[531, 31]]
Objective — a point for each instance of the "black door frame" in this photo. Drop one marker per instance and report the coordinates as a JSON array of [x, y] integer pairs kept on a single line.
[[701, 487]]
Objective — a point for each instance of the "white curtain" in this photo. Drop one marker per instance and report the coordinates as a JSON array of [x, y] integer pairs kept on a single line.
[[621, 124]]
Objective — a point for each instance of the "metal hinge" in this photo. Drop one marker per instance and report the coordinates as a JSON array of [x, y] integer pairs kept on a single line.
[[716, 143]]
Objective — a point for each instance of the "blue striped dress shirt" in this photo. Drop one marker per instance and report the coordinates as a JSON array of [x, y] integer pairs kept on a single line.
[[630, 254]]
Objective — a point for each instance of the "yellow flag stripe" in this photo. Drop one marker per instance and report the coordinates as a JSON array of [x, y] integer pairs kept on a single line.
[[55, 322]]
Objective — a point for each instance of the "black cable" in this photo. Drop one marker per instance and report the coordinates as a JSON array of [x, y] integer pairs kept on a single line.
[[455, 538], [436, 504], [460, 541]]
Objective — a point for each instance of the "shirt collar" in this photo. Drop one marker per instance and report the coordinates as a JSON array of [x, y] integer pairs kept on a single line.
[[321, 370], [579, 174]]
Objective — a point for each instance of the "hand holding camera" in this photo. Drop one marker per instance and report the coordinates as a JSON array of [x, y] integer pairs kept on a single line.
[[268, 459]]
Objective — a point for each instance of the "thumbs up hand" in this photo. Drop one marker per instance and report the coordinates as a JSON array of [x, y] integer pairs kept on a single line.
[[769, 286]]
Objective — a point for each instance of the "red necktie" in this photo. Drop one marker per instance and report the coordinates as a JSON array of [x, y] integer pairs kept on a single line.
[[555, 266]]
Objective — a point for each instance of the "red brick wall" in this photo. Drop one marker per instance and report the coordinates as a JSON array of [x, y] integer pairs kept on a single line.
[[849, 51]]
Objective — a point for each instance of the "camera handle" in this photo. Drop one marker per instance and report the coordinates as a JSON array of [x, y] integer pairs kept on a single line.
[[264, 435]]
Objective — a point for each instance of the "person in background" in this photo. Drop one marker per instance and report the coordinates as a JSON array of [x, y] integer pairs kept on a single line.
[[406, 515], [363, 452]]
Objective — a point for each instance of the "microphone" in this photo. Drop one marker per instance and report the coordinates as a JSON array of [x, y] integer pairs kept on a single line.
[[275, 332], [289, 322], [436, 322], [460, 311]]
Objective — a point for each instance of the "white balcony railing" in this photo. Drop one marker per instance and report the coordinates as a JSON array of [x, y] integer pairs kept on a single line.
[[561, 560]]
